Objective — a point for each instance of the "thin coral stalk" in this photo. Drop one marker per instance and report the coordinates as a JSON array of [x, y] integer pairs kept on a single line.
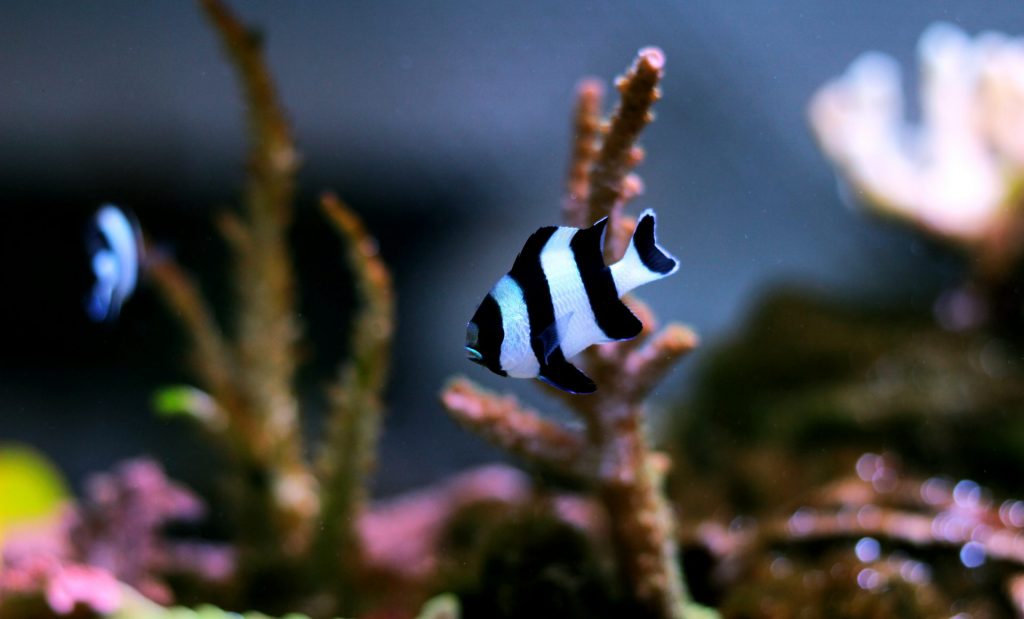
[[267, 329], [586, 135], [643, 529], [650, 363], [353, 425], [211, 355], [273, 158], [615, 457], [638, 90]]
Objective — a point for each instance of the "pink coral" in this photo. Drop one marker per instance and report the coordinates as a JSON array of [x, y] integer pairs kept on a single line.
[[114, 536], [401, 535], [36, 563], [93, 587], [120, 524]]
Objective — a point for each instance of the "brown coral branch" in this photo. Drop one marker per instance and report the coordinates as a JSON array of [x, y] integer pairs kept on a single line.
[[630, 488], [267, 329], [273, 159], [347, 457], [647, 366], [519, 431], [235, 232], [211, 355], [642, 523], [621, 232], [586, 134], [638, 90], [627, 474]]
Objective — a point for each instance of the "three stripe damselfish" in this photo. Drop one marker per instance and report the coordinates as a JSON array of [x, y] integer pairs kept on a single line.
[[559, 299]]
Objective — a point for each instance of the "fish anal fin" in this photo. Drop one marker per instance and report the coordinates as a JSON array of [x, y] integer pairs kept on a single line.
[[558, 372]]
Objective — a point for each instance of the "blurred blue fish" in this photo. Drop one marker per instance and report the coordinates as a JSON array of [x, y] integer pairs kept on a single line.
[[115, 251]]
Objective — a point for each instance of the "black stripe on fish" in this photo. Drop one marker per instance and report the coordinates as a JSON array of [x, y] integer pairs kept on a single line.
[[490, 334], [652, 257], [611, 314], [528, 273]]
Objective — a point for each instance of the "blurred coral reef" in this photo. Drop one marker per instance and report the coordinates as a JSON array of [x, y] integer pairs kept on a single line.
[[960, 168], [833, 458], [958, 174], [832, 455]]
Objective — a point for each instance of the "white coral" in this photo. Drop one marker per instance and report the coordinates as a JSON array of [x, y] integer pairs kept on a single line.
[[955, 172]]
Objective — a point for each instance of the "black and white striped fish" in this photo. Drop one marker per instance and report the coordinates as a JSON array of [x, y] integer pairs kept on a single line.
[[560, 298]]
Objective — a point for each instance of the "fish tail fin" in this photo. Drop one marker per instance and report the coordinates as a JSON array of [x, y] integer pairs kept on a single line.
[[645, 261]]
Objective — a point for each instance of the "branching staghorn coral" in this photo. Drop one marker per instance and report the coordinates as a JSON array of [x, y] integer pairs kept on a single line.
[[611, 454], [958, 175], [294, 517]]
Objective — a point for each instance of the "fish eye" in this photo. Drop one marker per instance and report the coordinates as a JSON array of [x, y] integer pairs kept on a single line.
[[474, 355], [472, 336]]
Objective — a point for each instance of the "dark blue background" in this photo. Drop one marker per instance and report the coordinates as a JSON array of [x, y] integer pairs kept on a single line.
[[446, 126]]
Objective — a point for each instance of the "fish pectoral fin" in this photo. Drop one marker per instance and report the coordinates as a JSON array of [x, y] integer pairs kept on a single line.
[[558, 372], [551, 338]]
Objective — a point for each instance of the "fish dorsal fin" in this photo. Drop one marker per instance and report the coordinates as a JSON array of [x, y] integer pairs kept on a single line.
[[558, 372], [593, 237]]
